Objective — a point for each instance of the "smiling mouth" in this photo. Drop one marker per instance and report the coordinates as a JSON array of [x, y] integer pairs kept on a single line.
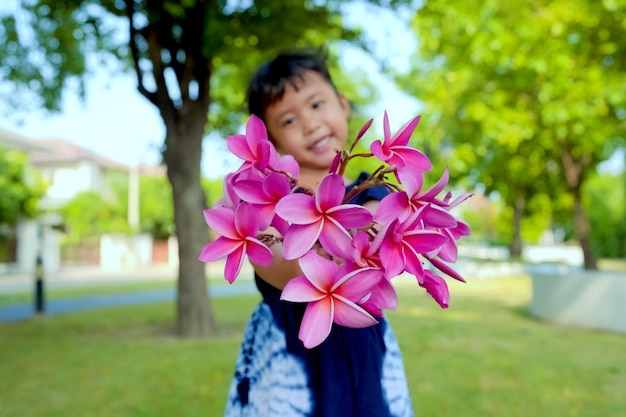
[[321, 144]]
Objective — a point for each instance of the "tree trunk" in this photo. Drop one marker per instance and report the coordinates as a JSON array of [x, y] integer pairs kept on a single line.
[[574, 171], [581, 226], [515, 248], [182, 155]]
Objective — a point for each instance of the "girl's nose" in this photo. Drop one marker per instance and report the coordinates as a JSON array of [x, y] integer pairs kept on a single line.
[[311, 125]]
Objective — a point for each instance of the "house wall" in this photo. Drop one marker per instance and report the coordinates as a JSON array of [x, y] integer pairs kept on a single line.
[[29, 242], [69, 179]]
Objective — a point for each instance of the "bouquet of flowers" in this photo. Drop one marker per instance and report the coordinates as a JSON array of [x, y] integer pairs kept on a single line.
[[352, 285]]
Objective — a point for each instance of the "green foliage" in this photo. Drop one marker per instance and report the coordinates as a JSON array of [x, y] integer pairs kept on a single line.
[[530, 95], [89, 215], [21, 187], [483, 215], [213, 189], [606, 205], [155, 210]]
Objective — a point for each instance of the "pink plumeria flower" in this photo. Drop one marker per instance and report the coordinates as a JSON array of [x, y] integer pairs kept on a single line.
[[404, 204], [230, 199], [366, 255], [446, 269], [332, 296], [404, 244], [264, 194], [237, 239], [285, 164], [322, 217], [254, 147], [449, 251], [437, 287], [394, 150]]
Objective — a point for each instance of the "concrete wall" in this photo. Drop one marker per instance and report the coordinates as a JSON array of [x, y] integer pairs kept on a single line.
[[586, 299], [124, 252], [33, 236]]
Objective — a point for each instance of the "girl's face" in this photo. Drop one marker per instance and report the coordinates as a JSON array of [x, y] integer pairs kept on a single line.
[[310, 123]]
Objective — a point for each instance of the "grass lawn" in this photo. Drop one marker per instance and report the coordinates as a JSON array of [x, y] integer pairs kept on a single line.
[[484, 356]]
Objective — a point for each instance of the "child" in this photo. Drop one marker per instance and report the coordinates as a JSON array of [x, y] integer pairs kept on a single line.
[[354, 372]]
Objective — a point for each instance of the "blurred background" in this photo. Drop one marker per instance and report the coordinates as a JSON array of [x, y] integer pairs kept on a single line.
[[113, 122]]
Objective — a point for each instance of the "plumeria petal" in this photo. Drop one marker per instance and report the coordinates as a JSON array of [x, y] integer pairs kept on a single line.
[[300, 289], [238, 145], [330, 192], [318, 270], [386, 128], [413, 263], [251, 191], [411, 157], [424, 240], [446, 269], [316, 322], [356, 284], [377, 149], [437, 287], [300, 238], [298, 209], [258, 252], [350, 215], [222, 220], [401, 138], [288, 164], [392, 206], [349, 314], [334, 238], [255, 130], [438, 187], [412, 179], [234, 262], [246, 220], [435, 216], [384, 295], [219, 248]]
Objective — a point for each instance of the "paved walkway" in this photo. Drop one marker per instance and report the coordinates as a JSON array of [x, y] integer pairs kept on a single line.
[[80, 276], [73, 277]]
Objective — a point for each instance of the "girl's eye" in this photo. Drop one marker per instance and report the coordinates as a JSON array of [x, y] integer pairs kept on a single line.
[[289, 121], [317, 104]]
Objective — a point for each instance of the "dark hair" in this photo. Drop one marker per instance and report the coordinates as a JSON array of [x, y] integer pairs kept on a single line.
[[267, 85]]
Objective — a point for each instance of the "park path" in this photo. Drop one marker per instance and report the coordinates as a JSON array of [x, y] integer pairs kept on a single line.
[[92, 276]]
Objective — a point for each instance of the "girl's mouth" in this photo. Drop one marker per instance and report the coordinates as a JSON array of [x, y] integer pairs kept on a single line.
[[321, 144]]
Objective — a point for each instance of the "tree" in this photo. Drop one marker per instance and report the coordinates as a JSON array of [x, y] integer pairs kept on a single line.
[[530, 94], [606, 205], [21, 187], [89, 215], [181, 52]]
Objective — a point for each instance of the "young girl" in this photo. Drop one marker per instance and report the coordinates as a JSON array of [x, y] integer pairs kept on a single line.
[[354, 372]]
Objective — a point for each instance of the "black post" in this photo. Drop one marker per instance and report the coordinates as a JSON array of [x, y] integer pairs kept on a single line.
[[39, 290], [39, 295]]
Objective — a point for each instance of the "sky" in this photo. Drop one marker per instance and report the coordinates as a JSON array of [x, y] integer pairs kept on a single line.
[[117, 122]]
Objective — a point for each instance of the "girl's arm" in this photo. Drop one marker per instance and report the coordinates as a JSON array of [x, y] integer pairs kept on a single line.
[[280, 271]]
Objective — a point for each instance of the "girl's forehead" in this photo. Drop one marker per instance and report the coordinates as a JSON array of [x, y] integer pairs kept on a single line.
[[309, 84]]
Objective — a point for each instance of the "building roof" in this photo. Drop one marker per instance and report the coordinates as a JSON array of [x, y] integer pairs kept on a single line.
[[63, 151], [12, 140], [159, 170]]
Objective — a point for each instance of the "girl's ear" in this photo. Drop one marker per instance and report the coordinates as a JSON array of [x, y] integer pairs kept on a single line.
[[345, 105]]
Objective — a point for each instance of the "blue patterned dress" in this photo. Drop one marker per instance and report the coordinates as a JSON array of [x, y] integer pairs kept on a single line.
[[353, 373]]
